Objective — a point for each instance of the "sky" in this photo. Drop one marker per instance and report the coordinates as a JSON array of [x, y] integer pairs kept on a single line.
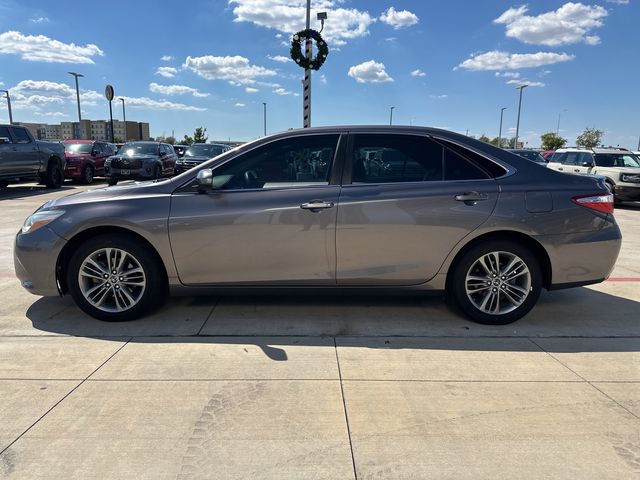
[[453, 65]]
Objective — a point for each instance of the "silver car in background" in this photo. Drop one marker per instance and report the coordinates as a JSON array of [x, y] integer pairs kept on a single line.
[[362, 209]]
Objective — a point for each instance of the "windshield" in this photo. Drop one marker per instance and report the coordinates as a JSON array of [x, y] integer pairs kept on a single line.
[[203, 151], [139, 149], [78, 147], [617, 160]]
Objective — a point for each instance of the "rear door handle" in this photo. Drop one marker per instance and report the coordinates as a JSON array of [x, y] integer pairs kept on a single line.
[[316, 205], [470, 198], [561, 169]]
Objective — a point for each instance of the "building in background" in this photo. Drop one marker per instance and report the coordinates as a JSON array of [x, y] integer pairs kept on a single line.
[[89, 130]]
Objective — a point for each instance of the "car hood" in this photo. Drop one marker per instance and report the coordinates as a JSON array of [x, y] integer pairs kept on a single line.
[[108, 193], [197, 158], [134, 157]]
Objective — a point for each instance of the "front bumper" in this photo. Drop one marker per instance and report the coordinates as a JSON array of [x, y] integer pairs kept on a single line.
[[144, 173], [627, 194], [35, 256], [73, 171]]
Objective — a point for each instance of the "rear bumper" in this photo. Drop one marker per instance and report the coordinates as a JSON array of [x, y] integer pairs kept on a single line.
[[582, 258]]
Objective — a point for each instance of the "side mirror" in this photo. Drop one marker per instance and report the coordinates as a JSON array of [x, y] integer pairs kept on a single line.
[[95, 153], [163, 154], [587, 164], [205, 180], [4, 140]]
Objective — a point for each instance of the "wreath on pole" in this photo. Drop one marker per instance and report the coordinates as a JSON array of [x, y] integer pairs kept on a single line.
[[300, 58]]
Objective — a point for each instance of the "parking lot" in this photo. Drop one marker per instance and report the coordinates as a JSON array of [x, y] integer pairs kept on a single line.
[[319, 387]]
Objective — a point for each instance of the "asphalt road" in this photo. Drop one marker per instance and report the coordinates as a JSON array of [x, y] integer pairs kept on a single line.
[[321, 387]]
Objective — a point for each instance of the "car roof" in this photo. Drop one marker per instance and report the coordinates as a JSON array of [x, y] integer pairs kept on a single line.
[[78, 141], [611, 150]]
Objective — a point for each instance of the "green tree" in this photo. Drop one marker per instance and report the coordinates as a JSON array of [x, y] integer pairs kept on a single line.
[[200, 135], [551, 141], [484, 138], [170, 140], [187, 140], [590, 138]]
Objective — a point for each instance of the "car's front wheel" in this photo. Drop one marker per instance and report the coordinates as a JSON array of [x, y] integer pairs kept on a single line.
[[496, 282], [87, 174], [114, 278], [112, 181]]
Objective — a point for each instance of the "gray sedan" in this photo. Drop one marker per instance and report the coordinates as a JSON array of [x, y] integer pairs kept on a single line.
[[362, 209]]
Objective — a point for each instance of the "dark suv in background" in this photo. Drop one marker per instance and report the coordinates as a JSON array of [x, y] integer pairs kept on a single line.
[[25, 159], [198, 153], [141, 161], [85, 159]]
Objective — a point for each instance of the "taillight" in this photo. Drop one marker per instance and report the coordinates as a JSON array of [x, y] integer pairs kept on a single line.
[[599, 203]]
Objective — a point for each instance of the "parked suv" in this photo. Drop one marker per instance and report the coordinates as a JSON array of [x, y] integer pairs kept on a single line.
[[141, 161], [198, 153], [24, 159], [621, 168], [85, 159]]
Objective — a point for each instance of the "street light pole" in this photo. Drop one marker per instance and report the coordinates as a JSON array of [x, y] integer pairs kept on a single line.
[[306, 89], [76, 75], [500, 131], [264, 115], [6, 92], [391, 115], [558, 127], [521, 87], [124, 120]]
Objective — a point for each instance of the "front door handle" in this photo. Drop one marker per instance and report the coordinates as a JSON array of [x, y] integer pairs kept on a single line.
[[316, 205], [471, 198], [561, 169]]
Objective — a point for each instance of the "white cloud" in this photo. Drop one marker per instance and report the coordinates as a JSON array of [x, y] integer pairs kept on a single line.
[[418, 73], [236, 69], [525, 82], [149, 104], [391, 39], [369, 72], [40, 19], [571, 23], [35, 94], [398, 20], [51, 114], [39, 48], [544, 73], [279, 58], [282, 92], [166, 58], [497, 60], [288, 17], [167, 72], [439, 97], [251, 90], [619, 2], [240, 105], [323, 79], [175, 90], [508, 74]]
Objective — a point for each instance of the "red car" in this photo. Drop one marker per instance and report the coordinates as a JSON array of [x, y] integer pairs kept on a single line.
[[85, 159], [547, 154]]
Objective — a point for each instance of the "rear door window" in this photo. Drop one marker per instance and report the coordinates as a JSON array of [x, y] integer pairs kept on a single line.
[[20, 135], [4, 132]]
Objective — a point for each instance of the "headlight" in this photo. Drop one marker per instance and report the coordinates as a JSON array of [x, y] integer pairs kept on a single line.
[[630, 177], [40, 219]]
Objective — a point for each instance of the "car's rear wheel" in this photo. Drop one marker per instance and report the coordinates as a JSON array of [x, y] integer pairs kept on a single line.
[[112, 181], [114, 278], [496, 282], [54, 176], [157, 172], [87, 174]]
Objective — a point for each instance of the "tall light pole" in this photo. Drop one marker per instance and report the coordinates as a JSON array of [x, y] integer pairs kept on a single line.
[[264, 117], [521, 87], [6, 92], [391, 115], [76, 75], [500, 132], [558, 127], [124, 120]]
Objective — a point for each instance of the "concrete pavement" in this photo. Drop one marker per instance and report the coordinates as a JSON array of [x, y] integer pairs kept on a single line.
[[320, 387]]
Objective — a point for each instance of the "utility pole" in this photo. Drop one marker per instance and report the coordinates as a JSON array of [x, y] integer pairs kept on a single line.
[[558, 127], [306, 89], [391, 115], [76, 75], [124, 120], [521, 87], [264, 108], [6, 92], [500, 132]]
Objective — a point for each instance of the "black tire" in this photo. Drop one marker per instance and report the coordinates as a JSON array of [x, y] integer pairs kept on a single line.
[[4, 184], [151, 297], [157, 172], [457, 287], [87, 174], [112, 181], [54, 176]]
